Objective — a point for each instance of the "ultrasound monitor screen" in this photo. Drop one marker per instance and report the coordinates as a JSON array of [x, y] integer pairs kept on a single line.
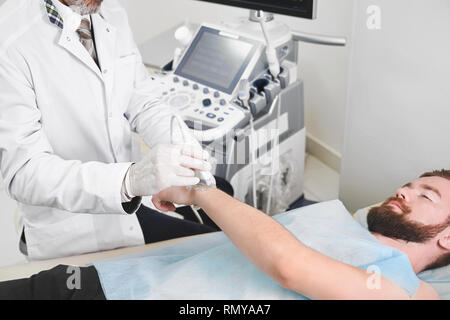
[[216, 60], [297, 8]]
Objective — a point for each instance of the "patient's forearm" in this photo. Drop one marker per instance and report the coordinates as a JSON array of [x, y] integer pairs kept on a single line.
[[263, 241]]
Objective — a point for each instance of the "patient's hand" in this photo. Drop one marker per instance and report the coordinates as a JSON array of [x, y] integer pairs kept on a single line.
[[180, 195]]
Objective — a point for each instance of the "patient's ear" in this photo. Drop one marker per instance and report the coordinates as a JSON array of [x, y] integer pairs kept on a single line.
[[444, 240]]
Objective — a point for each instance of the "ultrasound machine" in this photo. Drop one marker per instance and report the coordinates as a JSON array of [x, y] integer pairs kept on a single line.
[[236, 85]]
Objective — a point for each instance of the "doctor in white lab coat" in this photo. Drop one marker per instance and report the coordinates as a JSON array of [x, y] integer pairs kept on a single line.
[[66, 120]]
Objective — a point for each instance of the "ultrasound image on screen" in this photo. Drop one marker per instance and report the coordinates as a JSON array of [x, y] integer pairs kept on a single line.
[[216, 61]]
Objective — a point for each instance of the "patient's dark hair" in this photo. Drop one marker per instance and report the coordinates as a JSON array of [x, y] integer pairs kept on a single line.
[[444, 260], [437, 173]]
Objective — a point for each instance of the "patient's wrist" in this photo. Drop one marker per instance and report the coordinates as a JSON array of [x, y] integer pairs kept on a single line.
[[202, 196]]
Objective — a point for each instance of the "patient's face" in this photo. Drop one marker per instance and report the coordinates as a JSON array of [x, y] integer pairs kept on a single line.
[[419, 212]]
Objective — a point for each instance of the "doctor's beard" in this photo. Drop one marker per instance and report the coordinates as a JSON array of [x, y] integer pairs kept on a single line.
[[84, 7]]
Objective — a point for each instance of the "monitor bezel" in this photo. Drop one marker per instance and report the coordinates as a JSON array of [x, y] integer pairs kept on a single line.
[[310, 14], [230, 89]]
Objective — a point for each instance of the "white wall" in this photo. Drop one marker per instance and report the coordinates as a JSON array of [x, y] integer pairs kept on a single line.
[[324, 69], [398, 109]]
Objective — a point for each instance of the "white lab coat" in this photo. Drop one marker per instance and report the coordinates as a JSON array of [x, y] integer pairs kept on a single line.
[[66, 128]]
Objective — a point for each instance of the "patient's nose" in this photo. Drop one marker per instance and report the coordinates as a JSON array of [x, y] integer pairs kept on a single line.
[[402, 193]]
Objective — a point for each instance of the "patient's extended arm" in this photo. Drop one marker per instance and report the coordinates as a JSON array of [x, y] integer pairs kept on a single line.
[[276, 252]]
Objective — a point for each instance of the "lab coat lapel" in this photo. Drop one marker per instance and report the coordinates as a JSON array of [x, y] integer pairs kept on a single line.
[[75, 47], [105, 40]]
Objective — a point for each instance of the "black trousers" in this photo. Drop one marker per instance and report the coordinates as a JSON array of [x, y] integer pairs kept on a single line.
[[159, 227], [55, 284]]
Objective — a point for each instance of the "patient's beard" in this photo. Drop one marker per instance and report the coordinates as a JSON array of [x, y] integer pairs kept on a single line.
[[84, 7], [384, 221]]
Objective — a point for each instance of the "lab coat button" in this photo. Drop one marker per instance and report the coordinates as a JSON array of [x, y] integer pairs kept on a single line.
[[105, 71]]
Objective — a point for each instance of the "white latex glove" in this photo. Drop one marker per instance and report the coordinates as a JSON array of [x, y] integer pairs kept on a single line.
[[180, 135], [167, 166], [206, 178]]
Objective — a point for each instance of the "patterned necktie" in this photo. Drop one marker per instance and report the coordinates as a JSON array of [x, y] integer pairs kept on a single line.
[[84, 31]]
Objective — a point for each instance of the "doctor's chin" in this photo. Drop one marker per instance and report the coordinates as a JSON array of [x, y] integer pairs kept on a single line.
[[273, 151]]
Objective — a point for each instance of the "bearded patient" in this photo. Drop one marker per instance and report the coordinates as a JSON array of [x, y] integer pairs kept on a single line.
[[415, 222]]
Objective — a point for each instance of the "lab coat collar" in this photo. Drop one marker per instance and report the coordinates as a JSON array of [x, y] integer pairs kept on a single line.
[[58, 13], [71, 19], [105, 40], [70, 41], [104, 33]]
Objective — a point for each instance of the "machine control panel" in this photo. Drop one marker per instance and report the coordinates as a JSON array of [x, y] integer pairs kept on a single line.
[[203, 85], [196, 102]]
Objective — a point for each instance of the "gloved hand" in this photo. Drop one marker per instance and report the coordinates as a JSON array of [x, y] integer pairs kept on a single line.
[[167, 166]]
